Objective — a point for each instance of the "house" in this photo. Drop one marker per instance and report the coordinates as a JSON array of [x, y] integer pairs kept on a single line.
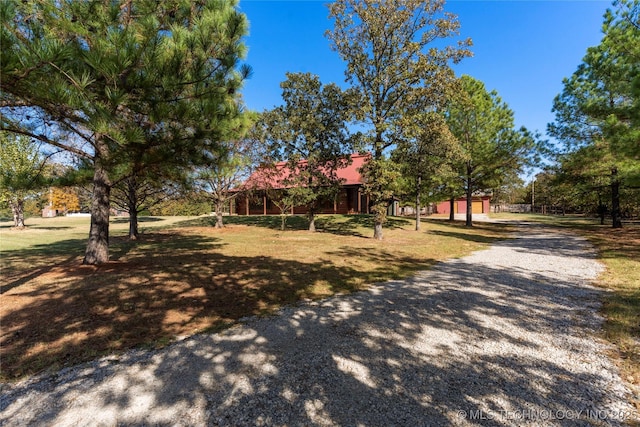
[[350, 199], [480, 204]]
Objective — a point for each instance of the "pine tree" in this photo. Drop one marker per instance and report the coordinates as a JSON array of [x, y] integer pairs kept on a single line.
[[599, 106], [102, 79], [484, 126]]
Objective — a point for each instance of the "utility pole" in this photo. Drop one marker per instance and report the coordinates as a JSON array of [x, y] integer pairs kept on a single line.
[[533, 196]]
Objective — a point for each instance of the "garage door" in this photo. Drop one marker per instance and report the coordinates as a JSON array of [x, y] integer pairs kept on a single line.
[[476, 207]]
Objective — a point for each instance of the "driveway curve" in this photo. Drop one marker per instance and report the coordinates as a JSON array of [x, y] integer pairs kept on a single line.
[[505, 336]]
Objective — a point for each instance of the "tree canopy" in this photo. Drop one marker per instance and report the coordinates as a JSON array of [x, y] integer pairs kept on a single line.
[[492, 147], [21, 172], [598, 112], [220, 174], [395, 63], [310, 133], [426, 153], [101, 80]]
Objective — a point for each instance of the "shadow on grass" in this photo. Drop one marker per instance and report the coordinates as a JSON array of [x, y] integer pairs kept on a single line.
[[141, 219], [343, 225], [398, 355], [168, 284], [33, 227], [356, 225], [44, 257], [273, 222], [460, 231], [41, 258], [623, 243]]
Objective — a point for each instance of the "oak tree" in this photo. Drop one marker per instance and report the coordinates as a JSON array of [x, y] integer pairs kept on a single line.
[[64, 199], [220, 174], [21, 173], [309, 132], [394, 60], [425, 154]]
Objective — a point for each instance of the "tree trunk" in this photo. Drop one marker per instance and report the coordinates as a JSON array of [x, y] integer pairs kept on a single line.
[[469, 189], [133, 225], [469, 222], [615, 199], [377, 230], [219, 223], [452, 207], [97, 251], [132, 207], [17, 208], [283, 221], [312, 221], [469, 218], [602, 210], [379, 208], [379, 216], [418, 203]]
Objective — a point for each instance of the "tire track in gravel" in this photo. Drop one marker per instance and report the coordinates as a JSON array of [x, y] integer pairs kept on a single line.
[[505, 336]]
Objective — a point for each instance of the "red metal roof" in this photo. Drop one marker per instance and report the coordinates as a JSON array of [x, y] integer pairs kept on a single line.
[[272, 177], [351, 174]]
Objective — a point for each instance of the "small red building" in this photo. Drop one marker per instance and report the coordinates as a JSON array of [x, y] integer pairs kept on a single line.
[[479, 205], [49, 212], [350, 199]]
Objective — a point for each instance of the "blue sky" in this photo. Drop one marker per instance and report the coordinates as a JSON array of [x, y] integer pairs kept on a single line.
[[522, 49]]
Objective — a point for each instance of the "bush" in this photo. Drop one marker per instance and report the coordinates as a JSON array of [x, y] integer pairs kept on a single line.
[[188, 205]]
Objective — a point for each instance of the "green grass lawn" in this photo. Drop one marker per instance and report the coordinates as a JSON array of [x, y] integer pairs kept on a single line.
[[183, 276]]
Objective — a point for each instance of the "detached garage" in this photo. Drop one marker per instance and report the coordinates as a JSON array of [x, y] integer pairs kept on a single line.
[[476, 206], [479, 205]]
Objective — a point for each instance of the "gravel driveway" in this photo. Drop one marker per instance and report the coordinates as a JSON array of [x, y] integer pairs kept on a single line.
[[505, 336]]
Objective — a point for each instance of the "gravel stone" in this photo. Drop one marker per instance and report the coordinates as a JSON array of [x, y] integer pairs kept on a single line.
[[507, 336]]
